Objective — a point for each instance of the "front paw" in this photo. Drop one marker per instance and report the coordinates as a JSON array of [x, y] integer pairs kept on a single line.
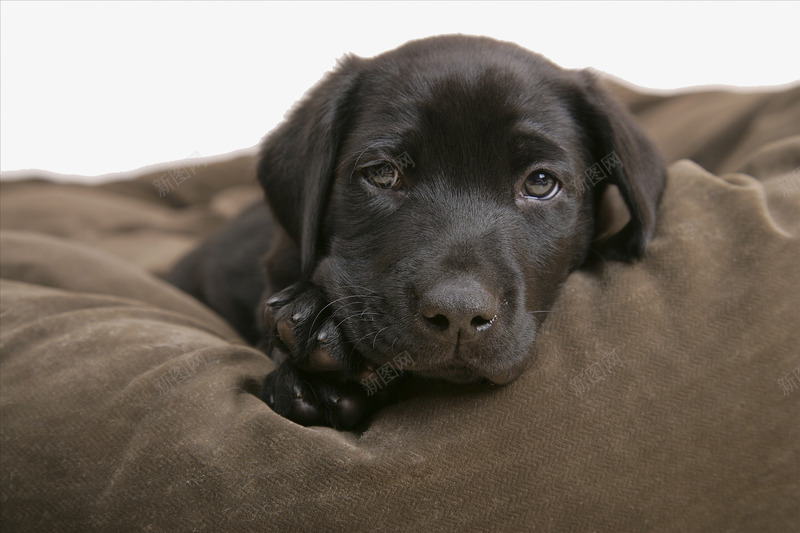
[[301, 324], [321, 379], [316, 399]]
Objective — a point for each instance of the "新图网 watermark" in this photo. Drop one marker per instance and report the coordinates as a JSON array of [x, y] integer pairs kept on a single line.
[[166, 183], [386, 373], [180, 372], [791, 183], [595, 373], [790, 381], [601, 170]]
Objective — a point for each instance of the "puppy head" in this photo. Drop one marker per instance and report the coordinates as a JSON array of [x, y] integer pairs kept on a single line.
[[442, 192]]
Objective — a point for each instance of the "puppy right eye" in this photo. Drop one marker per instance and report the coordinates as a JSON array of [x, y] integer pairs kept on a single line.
[[383, 176]]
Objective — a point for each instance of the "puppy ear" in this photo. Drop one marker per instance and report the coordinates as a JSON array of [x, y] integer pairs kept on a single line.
[[298, 158], [622, 156]]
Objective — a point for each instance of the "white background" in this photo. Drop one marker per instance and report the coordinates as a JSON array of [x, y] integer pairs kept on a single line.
[[98, 87]]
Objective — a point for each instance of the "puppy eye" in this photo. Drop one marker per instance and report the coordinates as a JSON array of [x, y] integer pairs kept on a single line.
[[540, 185], [383, 176]]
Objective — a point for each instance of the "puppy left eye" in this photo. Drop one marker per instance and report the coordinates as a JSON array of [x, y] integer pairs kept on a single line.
[[540, 185], [383, 176]]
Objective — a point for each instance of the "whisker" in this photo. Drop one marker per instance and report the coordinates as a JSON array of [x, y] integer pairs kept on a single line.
[[348, 304], [342, 298], [352, 351], [352, 316], [367, 289], [371, 313], [375, 338], [598, 254], [314, 322]]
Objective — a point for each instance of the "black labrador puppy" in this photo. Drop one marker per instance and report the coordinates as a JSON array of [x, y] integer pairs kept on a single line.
[[429, 204]]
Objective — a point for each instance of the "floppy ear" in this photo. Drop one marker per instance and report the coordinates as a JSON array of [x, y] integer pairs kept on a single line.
[[298, 158], [621, 156]]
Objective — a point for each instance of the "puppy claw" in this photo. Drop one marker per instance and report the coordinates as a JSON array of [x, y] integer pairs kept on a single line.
[[273, 301]]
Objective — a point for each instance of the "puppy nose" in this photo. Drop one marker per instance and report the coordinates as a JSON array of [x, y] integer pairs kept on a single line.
[[459, 309]]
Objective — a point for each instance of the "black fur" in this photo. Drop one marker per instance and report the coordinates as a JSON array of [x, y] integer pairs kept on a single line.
[[450, 273]]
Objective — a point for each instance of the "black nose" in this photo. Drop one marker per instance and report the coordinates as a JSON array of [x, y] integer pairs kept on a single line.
[[459, 309]]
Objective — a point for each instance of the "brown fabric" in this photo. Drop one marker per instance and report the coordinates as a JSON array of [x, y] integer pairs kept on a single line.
[[664, 397]]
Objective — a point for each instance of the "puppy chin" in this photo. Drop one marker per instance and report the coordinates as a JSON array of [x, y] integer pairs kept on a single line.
[[460, 375], [463, 375]]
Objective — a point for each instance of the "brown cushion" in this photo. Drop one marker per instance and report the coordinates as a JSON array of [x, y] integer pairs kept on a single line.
[[664, 396]]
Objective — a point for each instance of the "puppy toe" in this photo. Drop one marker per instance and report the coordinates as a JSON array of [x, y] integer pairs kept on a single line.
[[366, 372], [301, 324], [286, 316], [315, 399], [346, 405], [327, 353], [285, 334], [321, 360], [349, 412], [292, 397], [302, 411]]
